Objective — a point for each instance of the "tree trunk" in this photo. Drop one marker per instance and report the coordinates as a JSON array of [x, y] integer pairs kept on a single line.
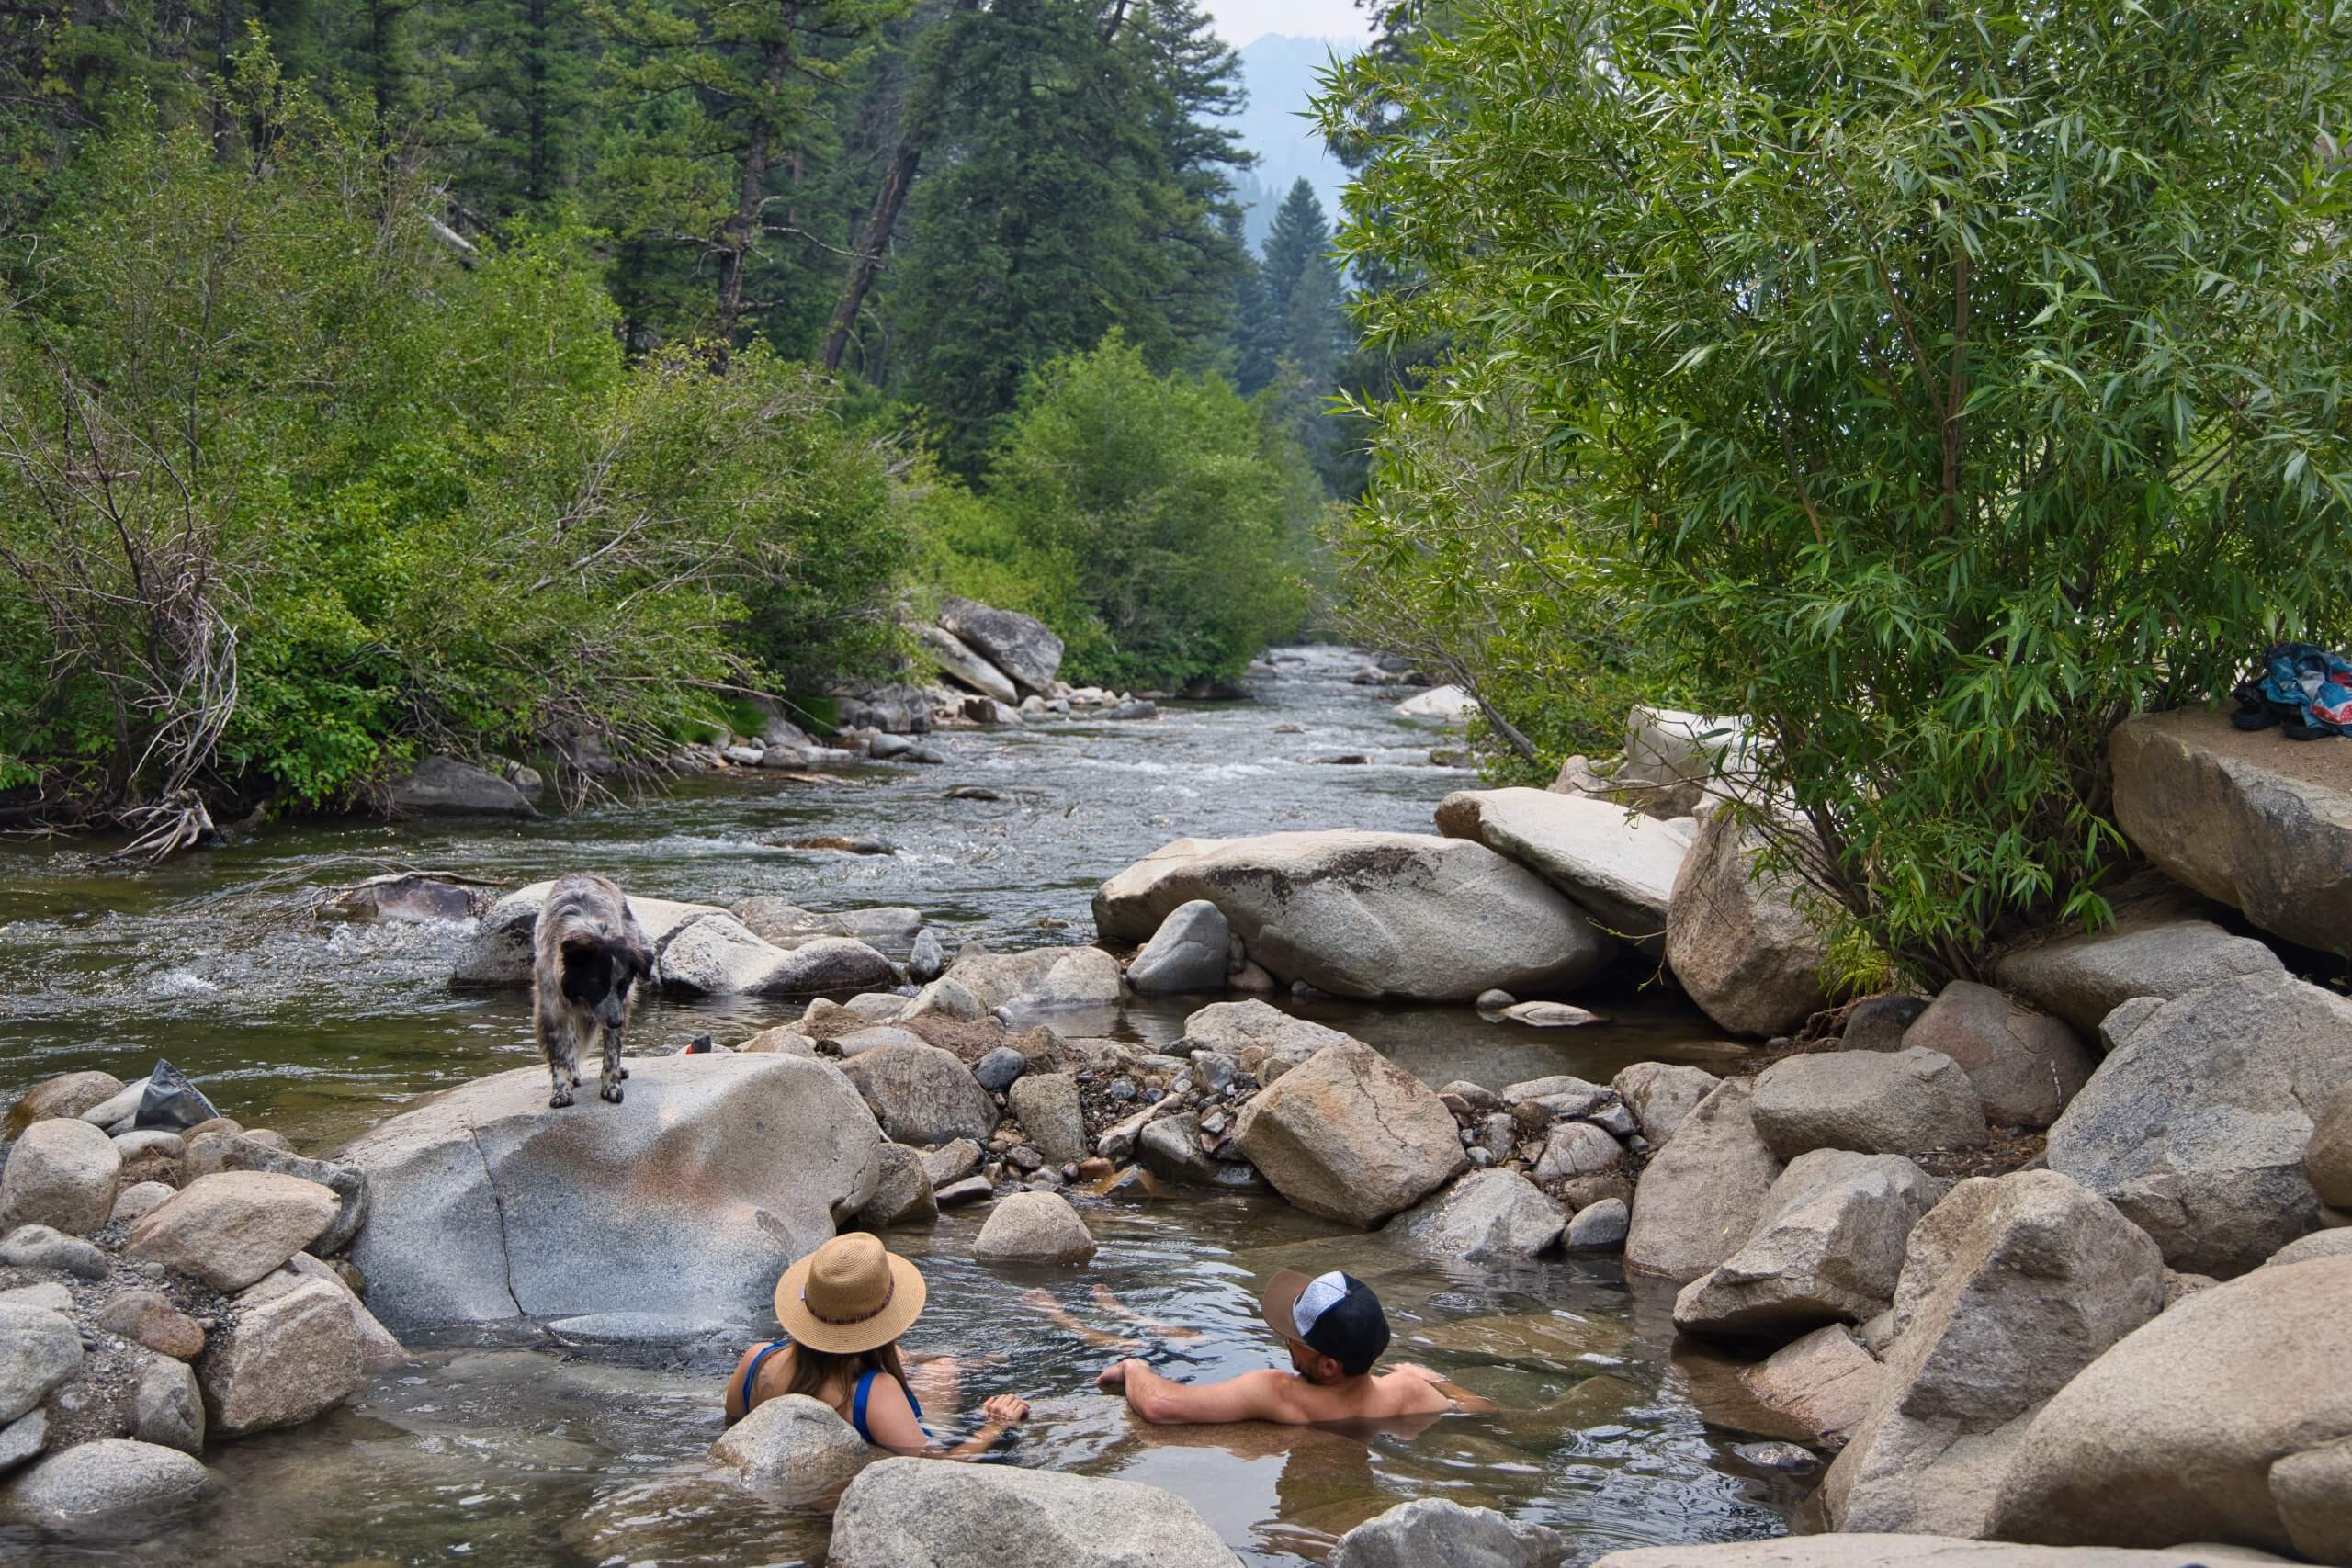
[[742, 231]]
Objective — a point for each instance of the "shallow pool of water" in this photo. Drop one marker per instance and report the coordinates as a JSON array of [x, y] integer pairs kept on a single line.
[[586, 1455]]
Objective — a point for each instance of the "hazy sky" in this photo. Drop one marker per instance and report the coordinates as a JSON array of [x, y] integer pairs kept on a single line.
[[1240, 22]]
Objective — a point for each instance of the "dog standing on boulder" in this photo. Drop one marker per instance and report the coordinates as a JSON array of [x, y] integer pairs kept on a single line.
[[588, 954]]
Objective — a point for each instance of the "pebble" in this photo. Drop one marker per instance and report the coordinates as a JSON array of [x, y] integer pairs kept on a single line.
[[998, 1070], [970, 1190], [1121, 1088], [1785, 1456], [1026, 1157]]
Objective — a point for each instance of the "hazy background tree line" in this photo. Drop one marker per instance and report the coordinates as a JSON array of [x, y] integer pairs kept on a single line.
[[385, 375]]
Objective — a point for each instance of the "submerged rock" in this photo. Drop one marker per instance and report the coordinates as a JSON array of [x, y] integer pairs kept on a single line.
[[1432, 1532], [114, 1483], [793, 1451]]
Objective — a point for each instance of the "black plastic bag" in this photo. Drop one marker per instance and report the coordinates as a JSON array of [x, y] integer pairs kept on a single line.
[[171, 1102]]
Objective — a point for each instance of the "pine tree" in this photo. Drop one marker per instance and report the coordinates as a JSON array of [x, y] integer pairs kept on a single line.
[[1255, 344]]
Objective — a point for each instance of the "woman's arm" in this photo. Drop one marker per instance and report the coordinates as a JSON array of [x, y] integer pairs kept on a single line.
[[892, 1421]]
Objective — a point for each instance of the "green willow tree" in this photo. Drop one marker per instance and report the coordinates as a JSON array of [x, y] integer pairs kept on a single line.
[[1939, 385]]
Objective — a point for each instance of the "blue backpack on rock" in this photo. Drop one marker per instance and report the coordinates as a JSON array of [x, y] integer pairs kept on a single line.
[[2302, 688]]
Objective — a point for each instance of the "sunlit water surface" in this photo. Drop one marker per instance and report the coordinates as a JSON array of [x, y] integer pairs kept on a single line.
[[594, 1455]]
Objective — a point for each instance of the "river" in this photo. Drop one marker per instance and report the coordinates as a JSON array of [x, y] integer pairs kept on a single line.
[[517, 1454]]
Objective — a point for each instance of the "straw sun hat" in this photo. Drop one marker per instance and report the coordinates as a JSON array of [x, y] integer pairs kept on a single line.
[[851, 1294]]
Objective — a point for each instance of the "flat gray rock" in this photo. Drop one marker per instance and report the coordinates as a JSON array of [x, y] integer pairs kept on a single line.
[[1701, 1197], [1900, 1102], [112, 1483], [1483, 1215], [1432, 1532], [1022, 646], [919, 1513], [2083, 978], [1618, 865]]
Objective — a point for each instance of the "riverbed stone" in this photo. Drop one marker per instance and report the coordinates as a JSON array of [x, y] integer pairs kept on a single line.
[[914, 1513], [782, 1040], [1254, 1032], [951, 1162], [2026, 1065], [902, 1191], [231, 1228], [148, 1156], [66, 1095], [922, 1094], [378, 1350], [2263, 827], [2327, 1156], [1885, 1550], [2160, 952], [2195, 1127], [1661, 1094], [43, 1247], [1829, 1248], [289, 1352], [1617, 866], [500, 953], [1878, 1023], [1737, 942], [149, 1318], [963, 663], [690, 1198], [1900, 1102], [1359, 914], [62, 1173], [1825, 1381], [945, 999], [1350, 1136], [443, 787], [213, 1151], [793, 1451], [1598, 1226], [1034, 1227], [120, 1114], [115, 1481], [2181, 1432], [1170, 1149], [1187, 952], [1040, 978], [1022, 646], [1577, 1148], [1702, 1196], [1046, 1106], [1484, 1215], [22, 1441], [39, 1350], [2010, 1287], [1433, 1533], [167, 1406]]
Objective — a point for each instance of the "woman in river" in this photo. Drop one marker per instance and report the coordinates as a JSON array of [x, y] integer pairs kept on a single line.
[[844, 1308]]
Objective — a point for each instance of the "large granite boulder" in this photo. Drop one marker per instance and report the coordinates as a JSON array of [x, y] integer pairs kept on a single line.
[[1432, 1532], [291, 1351], [1350, 1136], [2025, 1064], [962, 663], [39, 1349], [1039, 979], [1892, 1103], [1034, 1227], [230, 1229], [1672, 760], [1021, 646], [2195, 1125], [115, 1483], [2263, 825], [2210, 1423], [689, 1199], [211, 1152], [500, 953], [922, 1094], [1702, 1196], [1367, 914], [2010, 1287], [1829, 1249], [67, 1094], [793, 1451], [922, 1513], [1881, 1550], [2163, 953], [1484, 1215], [1618, 866], [60, 1173], [1738, 940], [1187, 953], [443, 787]]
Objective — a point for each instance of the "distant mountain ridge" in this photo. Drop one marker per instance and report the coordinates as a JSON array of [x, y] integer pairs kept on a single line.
[[1280, 72]]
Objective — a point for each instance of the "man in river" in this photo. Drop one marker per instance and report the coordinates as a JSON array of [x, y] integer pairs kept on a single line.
[[1336, 1332]]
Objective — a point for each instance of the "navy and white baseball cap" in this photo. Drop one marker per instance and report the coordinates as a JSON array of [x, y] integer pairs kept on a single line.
[[1334, 1314]]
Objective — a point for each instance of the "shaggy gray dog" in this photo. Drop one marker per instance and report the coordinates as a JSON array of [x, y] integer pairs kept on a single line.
[[588, 954]]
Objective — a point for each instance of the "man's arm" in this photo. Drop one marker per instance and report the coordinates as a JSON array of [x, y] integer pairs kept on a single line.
[[1252, 1396]]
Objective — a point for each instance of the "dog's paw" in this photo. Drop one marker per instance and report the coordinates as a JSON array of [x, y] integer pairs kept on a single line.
[[611, 1090], [558, 1099], [621, 1073]]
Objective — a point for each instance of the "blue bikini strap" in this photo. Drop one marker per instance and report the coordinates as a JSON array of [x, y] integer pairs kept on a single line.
[[857, 1405], [751, 1371]]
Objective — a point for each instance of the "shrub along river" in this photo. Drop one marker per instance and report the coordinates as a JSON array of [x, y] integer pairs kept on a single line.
[[545, 1452]]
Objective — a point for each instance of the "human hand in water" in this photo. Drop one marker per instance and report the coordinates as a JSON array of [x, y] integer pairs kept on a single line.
[[1005, 1409], [1114, 1376]]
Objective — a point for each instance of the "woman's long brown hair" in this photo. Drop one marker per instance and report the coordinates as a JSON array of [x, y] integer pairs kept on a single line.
[[813, 1369]]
